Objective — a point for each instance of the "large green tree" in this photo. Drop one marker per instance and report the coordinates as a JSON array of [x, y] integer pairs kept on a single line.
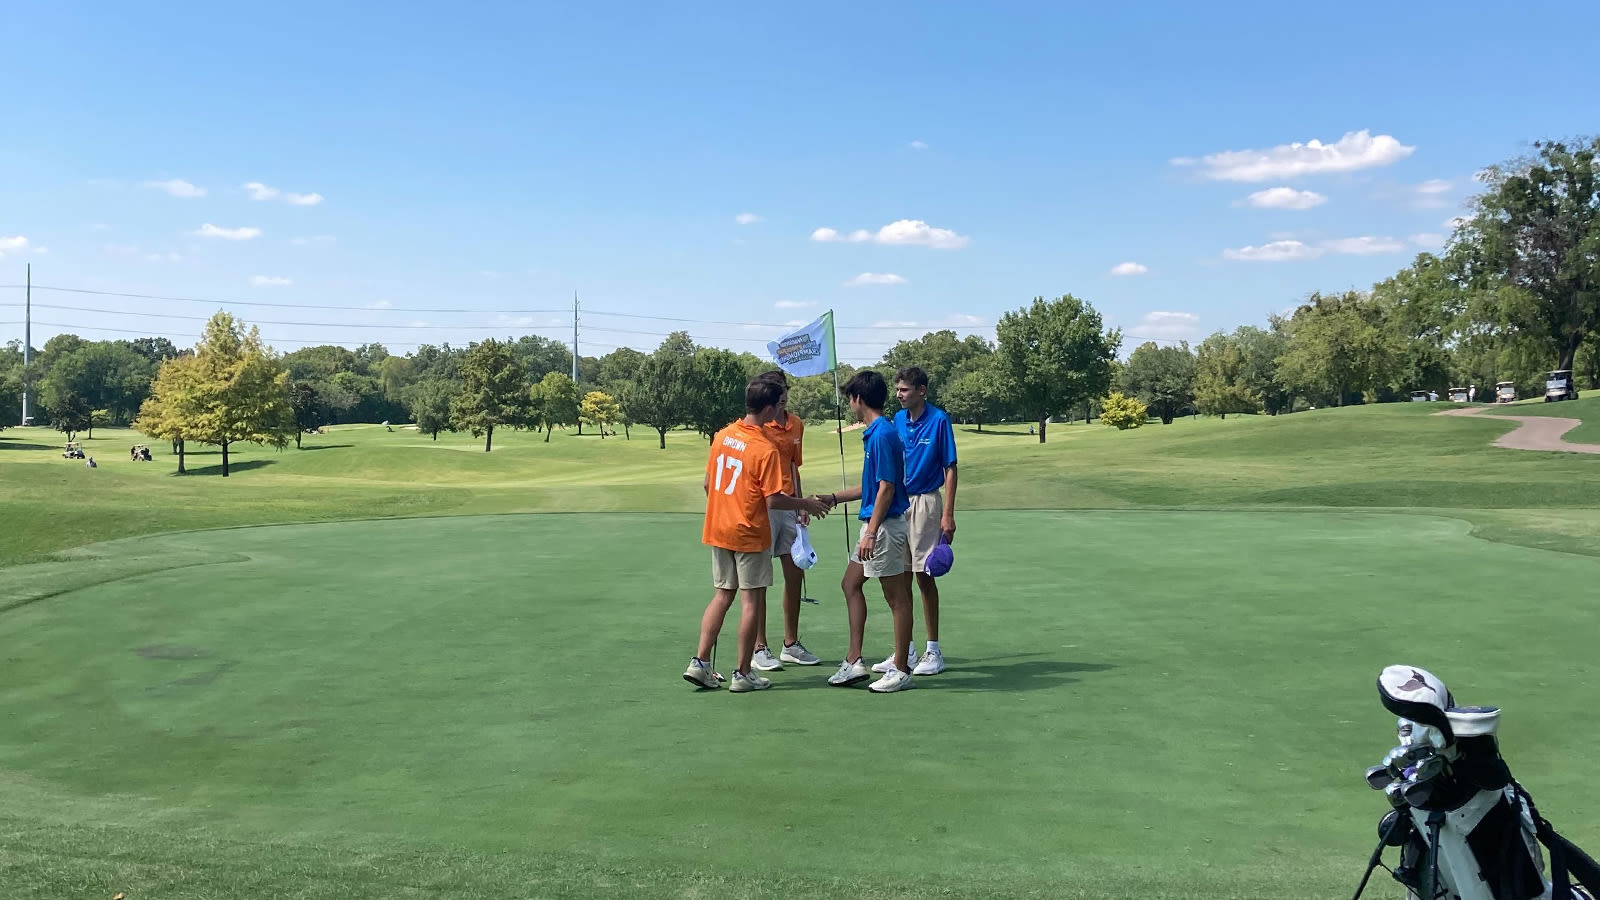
[[240, 391], [554, 401], [70, 414], [1338, 349], [1162, 378], [307, 412], [661, 395], [494, 391], [1533, 245], [428, 401], [1054, 355], [109, 375], [1260, 349], [717, 389], [940, 354], [977, 396], [1221, 386], [541, 355]]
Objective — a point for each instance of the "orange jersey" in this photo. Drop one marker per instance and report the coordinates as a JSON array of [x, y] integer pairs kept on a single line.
[[744, 469], [789, 438]]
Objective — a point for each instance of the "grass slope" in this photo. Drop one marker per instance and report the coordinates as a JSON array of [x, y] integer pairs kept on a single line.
[[1142, 703]]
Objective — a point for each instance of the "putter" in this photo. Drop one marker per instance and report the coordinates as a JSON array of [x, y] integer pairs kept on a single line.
[[805, 595]]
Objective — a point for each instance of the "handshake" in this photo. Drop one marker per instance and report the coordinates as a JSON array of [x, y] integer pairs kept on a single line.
[[817, 505]]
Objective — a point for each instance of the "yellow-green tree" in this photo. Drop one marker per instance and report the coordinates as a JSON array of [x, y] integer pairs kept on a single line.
[[1122, 412], [165, 415], [600, 409]]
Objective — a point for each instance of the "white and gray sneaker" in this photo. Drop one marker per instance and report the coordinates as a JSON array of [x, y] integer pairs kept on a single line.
[[887, 666], [743, 683], [932, 664], [850, 673], [700, 675], [892, 680], [798, 654], [765, 661]]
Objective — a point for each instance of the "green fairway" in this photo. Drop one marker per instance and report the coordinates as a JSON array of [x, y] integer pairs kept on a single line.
[[1168, 704], [458, 677]]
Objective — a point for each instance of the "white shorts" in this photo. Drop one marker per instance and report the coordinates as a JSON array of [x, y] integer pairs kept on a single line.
[[922, 526], [785, 526], [891, 554]]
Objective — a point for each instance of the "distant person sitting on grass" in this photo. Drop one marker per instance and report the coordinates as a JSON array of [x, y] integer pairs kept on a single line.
[[743, 481]]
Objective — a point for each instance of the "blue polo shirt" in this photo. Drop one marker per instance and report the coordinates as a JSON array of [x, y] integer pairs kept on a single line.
[[930, 448], [884, 459]]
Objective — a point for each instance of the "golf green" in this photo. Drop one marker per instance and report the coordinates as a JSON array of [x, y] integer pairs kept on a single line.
[[1141, 703]]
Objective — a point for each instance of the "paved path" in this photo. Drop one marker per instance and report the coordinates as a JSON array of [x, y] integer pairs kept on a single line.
[[1532, 432]]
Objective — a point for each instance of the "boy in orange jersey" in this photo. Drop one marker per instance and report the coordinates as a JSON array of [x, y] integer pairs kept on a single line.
[[788, 433], [744, 479]]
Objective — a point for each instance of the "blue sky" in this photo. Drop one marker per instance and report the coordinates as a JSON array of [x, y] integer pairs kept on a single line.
[[495, 158]]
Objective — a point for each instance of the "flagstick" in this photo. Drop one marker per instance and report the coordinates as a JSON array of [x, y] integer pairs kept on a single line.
[[844, 475]]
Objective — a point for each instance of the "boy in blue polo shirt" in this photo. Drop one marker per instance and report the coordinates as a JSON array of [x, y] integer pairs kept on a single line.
[[930, 445], [883, 552]]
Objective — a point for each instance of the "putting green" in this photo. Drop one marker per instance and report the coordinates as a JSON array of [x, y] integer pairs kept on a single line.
[[1181, 702]]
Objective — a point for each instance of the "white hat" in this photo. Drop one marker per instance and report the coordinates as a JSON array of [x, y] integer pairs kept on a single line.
[[804, 556]]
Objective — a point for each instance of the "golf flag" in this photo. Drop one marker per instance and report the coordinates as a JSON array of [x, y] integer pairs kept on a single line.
[[807, 350]]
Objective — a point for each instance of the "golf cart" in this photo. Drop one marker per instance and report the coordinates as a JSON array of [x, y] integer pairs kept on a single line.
[[1458, 395], [1419, 396], [1559, 386], [1505, 392], [140, 453], [74, 450]]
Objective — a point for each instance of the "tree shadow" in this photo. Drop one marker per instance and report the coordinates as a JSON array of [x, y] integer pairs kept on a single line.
[[233, 467], [13, 445], [326, 446], [990, 432]]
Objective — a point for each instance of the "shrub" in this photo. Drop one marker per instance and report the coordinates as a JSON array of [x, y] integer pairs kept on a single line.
[[1122, 412]]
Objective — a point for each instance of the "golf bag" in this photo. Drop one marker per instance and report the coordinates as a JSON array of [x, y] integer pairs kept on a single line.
[[1466, 830]]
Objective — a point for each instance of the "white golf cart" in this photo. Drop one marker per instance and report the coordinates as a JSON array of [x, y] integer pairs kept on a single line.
[[1419, 396], [1458, 395], [73, 450], [1505, 392], [1558, 385]]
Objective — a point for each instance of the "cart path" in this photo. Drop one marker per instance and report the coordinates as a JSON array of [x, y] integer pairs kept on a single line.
[[1532, 432]]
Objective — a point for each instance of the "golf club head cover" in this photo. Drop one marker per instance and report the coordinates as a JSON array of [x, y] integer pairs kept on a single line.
[[1419, 696]]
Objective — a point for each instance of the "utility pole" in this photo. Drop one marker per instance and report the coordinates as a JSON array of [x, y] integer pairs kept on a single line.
[[27, 343], [574, 337]]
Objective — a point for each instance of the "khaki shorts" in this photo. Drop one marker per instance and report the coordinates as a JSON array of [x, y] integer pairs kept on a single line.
[[891, 554], [922, 527], [733, 571], [785, 526]]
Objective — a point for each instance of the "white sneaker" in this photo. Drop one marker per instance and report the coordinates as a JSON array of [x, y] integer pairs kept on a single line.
[[849, 673], [887, 665], [752, 682], [932, 664], [798, 654], [700, 675], [765, 661], [892, 680]]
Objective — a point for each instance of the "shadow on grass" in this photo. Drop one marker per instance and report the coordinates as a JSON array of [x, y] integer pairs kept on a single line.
[[326, 447], [13, 445], [992, 432], [994, 675], [233, 467]]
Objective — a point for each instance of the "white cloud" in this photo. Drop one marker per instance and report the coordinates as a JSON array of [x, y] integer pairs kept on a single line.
[[14, 244], [1429, 240], [229, 234], [918, 145], [1363, 246], [162, 257], [793, 304], [519, 321], [381, 304], [965, 320], [1433, 186], [1170, 326], [271, 281], [259, 191], [1129, 268], [304, 199], [1285, 198], [866, 278], [1277, 251], [1355, 151], [747, 218], [902, 232], [177, 187]]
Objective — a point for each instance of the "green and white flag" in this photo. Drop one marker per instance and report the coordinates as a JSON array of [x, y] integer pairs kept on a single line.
[[807, 350]]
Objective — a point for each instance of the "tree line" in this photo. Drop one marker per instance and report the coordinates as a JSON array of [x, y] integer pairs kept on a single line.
[[1515, 293]]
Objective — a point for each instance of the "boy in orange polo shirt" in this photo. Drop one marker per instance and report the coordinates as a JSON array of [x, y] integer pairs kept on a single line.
[[788, 433], [744, 479]]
